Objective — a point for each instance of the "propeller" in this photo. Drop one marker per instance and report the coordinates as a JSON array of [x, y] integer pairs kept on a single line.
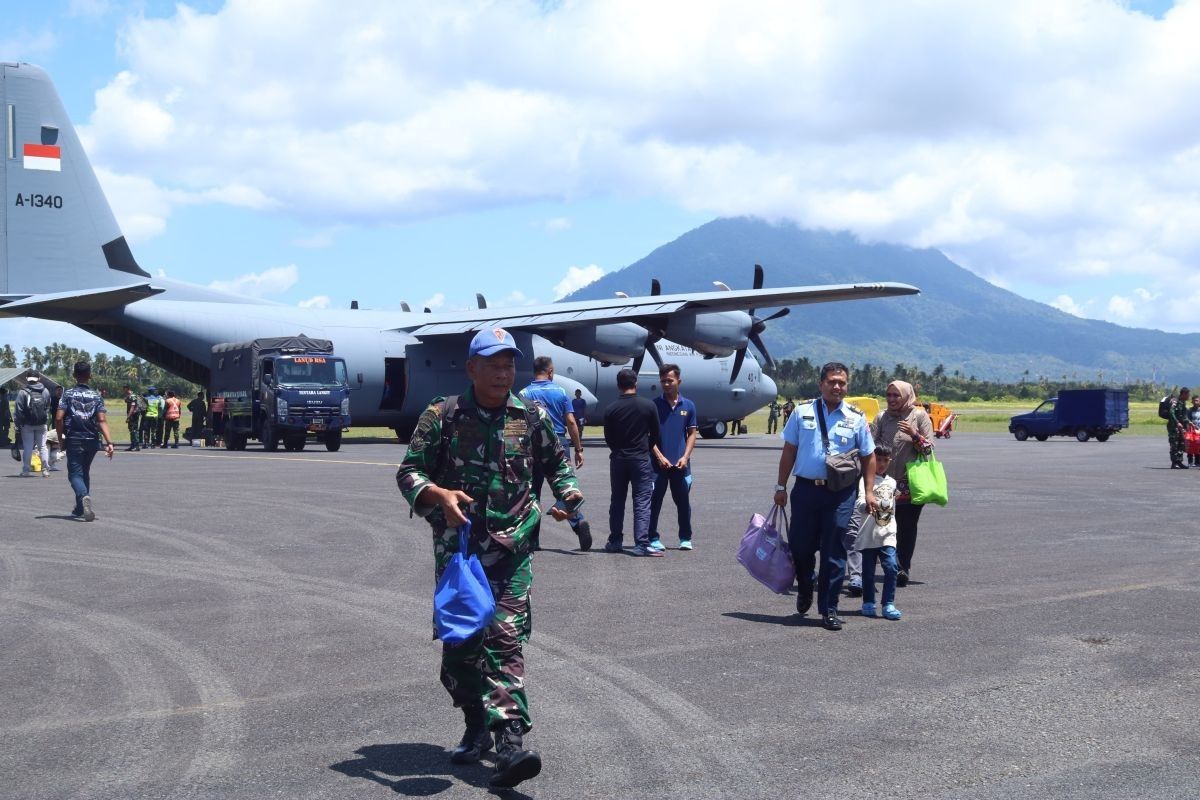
[[481, 300], [404, 305], [756, 330], [653, 334]]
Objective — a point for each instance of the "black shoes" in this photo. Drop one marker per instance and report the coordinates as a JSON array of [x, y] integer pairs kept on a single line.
[[902, 578], [584, 531], [475, 742], [804, 595], [831, 621], [513, 764], [1179, 465], [477, 739]]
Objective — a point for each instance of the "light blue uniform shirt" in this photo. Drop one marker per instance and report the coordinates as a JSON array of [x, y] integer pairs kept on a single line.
[[847, 431]]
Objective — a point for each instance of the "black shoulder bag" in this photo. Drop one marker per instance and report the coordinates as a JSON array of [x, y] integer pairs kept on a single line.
[[841, 470]]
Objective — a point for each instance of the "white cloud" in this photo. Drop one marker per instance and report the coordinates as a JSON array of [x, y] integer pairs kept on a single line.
[[320, 301], [1042, 141], [275, 280], [1122, 308], [556, 224], [577, 278], [1064, 302], [435, 302], [515, 298]]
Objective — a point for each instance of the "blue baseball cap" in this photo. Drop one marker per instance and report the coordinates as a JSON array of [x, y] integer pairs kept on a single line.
[[493, 340]]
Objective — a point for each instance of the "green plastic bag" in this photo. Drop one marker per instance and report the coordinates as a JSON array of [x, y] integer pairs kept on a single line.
[[927, 481]]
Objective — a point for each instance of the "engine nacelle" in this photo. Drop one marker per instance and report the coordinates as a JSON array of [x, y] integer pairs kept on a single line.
[[613, 343], [714, 333]]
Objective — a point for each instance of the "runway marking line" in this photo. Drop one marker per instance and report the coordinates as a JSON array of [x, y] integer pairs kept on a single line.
[[279, 458]]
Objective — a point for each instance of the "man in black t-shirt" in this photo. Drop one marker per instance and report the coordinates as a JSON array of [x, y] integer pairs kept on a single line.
[[630, 431]]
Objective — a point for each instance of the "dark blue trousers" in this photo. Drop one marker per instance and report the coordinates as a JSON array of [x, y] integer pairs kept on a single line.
[[623, 473], [80, 453], [819, 522], [676, 480]]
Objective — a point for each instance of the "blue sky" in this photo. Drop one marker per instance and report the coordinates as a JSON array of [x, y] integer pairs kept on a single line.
[[314, 153]]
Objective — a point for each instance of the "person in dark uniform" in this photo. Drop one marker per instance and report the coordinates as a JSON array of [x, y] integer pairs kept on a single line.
[[199, 416], [1177, 423], [631, 433], [133, 418], [5, 417], [820, 517]]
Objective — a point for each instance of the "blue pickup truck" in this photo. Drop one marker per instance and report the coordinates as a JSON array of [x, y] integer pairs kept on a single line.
[[1082, 413]]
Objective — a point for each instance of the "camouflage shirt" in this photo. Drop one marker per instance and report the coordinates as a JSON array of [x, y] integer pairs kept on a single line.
[[490, 457]]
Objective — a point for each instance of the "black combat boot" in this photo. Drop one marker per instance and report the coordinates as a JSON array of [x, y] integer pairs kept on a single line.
[[476, 740], [513, 764]]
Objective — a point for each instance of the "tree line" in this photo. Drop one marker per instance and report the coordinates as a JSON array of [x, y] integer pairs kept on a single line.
[[110, 374], [800, 377]]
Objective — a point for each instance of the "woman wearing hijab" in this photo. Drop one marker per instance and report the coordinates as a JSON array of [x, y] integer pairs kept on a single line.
[[905, 427]]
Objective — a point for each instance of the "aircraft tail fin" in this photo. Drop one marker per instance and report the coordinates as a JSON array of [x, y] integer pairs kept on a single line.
[[57, 231]]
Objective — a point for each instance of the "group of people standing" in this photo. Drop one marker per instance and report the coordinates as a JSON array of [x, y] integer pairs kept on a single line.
[[1182, 413], [153, 419], [825, 520]]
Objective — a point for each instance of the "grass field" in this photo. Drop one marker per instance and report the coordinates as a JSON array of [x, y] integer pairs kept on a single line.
[[981, 417]]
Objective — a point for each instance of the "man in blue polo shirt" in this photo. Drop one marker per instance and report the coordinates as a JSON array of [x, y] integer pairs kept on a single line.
[[820, 517], [552, 397], [673, 457]]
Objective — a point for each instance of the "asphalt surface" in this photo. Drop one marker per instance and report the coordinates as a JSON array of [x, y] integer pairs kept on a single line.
[[257, 625]]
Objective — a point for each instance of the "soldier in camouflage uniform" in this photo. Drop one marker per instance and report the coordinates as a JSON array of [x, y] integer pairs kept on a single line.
[[478, 455], [1177, 423]]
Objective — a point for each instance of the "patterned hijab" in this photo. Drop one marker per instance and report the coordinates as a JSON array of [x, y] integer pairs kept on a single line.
[[908, 397]]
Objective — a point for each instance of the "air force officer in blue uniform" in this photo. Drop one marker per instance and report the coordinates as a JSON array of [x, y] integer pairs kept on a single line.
[[820, 517]]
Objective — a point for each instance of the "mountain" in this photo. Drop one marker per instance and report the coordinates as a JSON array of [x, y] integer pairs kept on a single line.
[[959, 320]]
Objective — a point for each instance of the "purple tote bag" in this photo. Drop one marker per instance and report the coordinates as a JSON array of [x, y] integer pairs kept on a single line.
[[764, 551]]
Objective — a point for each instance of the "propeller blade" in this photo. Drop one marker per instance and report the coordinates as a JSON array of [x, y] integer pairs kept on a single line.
[[737, 364], [655, 287], [783, 312], [762, 348], [637, 362], [480, 299], [404, 304], [758, 276]]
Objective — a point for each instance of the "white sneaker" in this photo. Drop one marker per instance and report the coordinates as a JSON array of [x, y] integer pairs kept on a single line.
[[88, 514]]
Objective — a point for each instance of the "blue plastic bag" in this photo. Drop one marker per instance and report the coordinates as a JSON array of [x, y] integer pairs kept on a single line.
[[463, 604]]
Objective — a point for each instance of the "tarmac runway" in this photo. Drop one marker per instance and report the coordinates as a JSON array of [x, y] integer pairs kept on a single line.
[[257, 625]]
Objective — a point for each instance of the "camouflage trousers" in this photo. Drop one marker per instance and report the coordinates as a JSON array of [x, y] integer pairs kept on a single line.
[[489, 669], [1175, 442]]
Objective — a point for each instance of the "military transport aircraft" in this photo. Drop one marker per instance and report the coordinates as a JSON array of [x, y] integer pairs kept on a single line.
[[64, 258]]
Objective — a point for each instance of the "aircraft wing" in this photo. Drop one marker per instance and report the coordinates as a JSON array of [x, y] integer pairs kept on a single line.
[[563, 316], [78, 306]]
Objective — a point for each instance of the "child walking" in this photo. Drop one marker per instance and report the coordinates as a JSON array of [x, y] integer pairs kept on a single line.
[[876, 538]]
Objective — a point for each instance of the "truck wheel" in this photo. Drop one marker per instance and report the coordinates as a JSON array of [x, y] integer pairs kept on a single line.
[[1041, 437], [1020, 433], [294, 444], [1101, 437], [230, 440], [1082, 435], [270, 439], [242, 439], [333, 441]]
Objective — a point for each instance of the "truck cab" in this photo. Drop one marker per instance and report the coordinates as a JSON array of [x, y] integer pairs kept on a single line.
[[282, 390]]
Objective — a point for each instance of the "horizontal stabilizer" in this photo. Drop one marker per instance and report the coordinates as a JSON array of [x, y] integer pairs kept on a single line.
[[79, 306]]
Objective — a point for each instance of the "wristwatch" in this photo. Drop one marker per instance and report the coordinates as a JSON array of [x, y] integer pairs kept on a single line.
[[779, 487]]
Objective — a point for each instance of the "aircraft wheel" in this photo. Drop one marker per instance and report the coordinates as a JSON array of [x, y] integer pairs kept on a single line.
[[333, 441], [1101, 437], [1041, 437], [1082, 435], [1021, 433], [715, 431], [270, 439]]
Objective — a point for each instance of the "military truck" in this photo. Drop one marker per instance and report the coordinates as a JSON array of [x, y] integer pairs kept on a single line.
[[1082, 413], [281, 390]]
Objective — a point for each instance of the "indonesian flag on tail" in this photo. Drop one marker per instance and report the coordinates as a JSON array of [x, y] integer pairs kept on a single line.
[[43, 156]]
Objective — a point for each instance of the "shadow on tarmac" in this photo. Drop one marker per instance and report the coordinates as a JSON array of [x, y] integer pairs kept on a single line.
[[791, 620], [420, 768]]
